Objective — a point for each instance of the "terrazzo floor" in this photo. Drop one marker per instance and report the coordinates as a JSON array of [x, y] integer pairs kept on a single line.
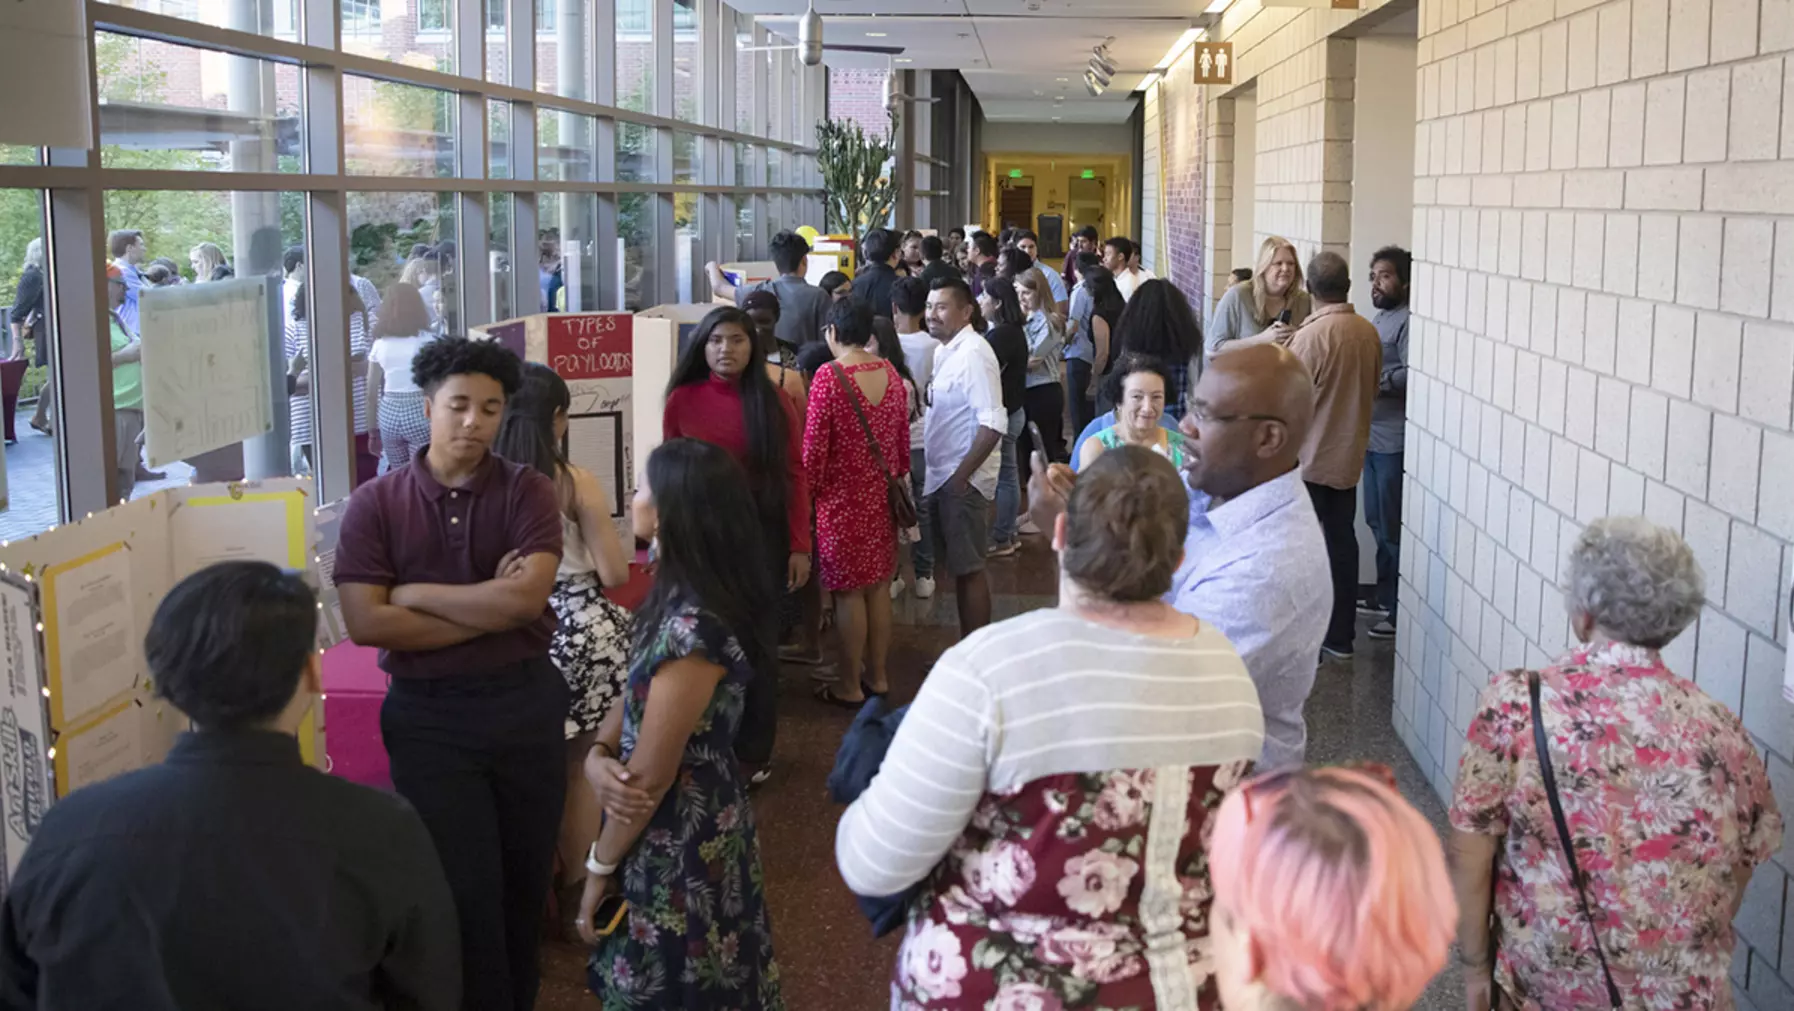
[[827, 955]]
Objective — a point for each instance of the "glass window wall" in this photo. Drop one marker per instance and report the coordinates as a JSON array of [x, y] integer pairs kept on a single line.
[[534, 205]]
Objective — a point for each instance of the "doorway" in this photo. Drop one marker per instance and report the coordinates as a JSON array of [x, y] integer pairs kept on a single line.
[[1015, 206]]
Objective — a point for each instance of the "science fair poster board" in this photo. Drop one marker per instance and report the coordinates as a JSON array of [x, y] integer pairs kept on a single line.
[[97, 583], [25, 786], [209, 367]]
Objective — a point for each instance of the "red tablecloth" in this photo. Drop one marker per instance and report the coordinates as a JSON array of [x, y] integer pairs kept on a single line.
[[355, 686]]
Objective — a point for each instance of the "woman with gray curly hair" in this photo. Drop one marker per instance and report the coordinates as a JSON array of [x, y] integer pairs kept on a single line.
[[1650, 783]]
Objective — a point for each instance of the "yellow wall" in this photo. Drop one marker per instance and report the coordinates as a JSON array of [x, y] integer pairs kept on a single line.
[[1059, 188]]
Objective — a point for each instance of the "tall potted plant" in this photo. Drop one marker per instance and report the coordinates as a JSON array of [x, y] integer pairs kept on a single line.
[[856, 174]]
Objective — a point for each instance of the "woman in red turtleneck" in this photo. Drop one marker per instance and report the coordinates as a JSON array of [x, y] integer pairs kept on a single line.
[[721, 394]]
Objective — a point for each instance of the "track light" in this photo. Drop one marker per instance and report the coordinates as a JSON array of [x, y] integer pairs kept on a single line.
[[1100, 61], [1102, 75], [1093, 86]]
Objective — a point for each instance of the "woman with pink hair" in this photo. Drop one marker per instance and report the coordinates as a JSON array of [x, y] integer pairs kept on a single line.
[[1331, 894]]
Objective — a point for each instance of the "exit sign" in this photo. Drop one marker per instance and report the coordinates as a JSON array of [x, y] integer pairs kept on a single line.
[[1088, 174], [1015, 173]]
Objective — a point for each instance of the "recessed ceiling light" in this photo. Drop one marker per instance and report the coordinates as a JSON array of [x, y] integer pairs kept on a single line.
[[1063, 80], [875, 35], [903, 59]]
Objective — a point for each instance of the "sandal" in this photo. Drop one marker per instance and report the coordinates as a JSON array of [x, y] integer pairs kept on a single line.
[[826, 693], [791, 654], [40, 426], [871, 692]]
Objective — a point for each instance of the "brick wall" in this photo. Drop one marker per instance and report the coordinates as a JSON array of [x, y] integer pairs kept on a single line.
[[1182, 126], [858, 95], [1604, 324]]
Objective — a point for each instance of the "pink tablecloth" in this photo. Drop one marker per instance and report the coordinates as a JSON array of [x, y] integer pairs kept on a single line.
[[355, 686]]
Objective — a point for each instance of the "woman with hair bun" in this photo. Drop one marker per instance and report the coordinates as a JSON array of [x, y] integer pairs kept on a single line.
[[1056, 776]]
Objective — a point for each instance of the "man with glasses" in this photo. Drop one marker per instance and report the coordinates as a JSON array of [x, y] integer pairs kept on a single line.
[[1255, 563]]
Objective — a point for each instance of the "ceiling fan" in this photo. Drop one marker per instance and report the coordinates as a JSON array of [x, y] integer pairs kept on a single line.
[[810, 45]]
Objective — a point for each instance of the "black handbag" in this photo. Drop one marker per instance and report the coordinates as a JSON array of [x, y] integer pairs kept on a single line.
[[1540, 744], [898, 497]]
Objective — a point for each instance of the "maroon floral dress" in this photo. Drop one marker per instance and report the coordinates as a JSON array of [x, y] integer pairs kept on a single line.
[[1079, 891], [856, 542], [1664, 794]]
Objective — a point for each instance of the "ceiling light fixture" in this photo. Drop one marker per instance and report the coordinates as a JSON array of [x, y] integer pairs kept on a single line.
[[875, 35], [1217, 7], [1091, 85], [904, 59]]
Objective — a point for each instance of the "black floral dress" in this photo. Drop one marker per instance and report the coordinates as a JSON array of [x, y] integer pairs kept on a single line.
[[697, 936]]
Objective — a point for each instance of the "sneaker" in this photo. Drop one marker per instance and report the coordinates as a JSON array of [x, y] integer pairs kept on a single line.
[[924, 587], [760, 776], [897, 586], [1002, 550], [1028, 528], [1372, 609], [1384, 629], [1335, 652]]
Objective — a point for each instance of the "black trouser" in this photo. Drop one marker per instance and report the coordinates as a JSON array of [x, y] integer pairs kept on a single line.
[[1077, 395], [483, 759], [760, 703], [1045, 406], [1337, 509]]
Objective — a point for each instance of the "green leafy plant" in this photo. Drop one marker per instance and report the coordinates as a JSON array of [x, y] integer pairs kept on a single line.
[[856, 174]]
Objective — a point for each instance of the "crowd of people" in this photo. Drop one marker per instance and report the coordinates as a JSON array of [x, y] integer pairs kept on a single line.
[[1104, 803]]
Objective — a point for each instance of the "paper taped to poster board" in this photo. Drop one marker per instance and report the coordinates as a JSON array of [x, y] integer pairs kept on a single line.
[[329, 523], [91, 642], [206, 367], [240, 525], [25, 789]]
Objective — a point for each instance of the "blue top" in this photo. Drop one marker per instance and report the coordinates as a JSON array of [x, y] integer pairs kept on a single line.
[[1256, 568], [1103, 421], [1080, 345]]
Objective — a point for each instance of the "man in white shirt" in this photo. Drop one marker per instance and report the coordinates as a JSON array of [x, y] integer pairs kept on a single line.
[[965, 423], [1118, 256]]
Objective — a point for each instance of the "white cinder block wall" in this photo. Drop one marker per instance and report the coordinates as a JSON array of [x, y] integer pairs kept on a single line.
[[1600, 216], [1604, 324]]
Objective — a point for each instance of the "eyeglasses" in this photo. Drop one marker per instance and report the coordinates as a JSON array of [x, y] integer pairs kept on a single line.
[[1201, 416]]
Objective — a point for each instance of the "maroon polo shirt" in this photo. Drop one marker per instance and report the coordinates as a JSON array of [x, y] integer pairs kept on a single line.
[[406, 527]]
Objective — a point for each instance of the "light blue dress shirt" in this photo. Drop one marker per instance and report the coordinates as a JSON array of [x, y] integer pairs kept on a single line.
[[1256, 568], [1055, 283]]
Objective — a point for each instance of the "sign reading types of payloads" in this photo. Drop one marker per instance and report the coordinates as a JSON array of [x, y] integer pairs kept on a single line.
[[1214, 62], [206, 367], [591, 346]]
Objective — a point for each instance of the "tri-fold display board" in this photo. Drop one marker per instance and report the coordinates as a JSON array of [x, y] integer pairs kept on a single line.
[[616, 365], [75, 601]]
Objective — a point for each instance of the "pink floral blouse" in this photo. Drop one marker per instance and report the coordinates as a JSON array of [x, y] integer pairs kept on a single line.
[[1665, 797], [1078, 891]]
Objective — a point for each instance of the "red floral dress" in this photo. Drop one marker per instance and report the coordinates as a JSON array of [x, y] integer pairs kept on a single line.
[[1080, 891], [856, 542], [1664, 794]]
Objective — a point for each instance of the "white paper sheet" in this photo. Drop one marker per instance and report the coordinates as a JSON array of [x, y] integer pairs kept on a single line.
[[112, 746], [206, 368], [258, 527], [91, 631]]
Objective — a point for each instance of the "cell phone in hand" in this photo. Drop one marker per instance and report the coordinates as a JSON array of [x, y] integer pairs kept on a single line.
[[609, 914], [1039, 442], [1283, 317]]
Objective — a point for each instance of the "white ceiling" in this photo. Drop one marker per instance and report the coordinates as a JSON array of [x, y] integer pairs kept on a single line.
[[1019, 56]]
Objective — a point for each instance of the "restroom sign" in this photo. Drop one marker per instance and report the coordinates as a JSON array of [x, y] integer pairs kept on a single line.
[[1214, 63]]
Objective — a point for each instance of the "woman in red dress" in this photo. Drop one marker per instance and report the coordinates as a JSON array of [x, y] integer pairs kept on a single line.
[[856, 539]]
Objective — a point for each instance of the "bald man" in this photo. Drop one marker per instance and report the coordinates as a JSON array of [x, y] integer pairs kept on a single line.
[[1255, 563]]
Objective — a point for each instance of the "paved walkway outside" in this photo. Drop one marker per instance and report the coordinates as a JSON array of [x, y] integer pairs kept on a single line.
[[31, 483]]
